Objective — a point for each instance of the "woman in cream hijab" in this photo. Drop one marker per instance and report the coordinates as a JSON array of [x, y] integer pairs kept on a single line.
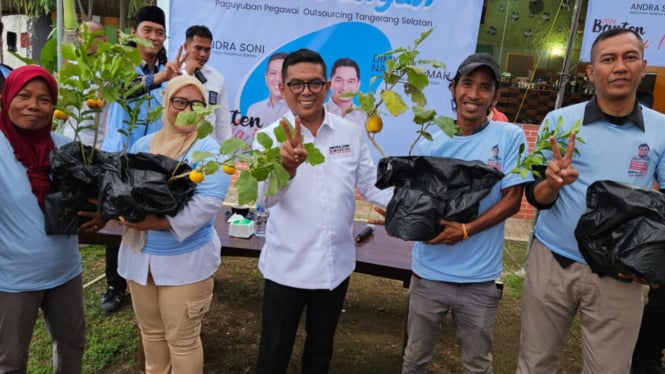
[[170, 264]]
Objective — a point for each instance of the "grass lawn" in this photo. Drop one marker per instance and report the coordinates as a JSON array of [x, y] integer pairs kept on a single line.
[[369, 336]]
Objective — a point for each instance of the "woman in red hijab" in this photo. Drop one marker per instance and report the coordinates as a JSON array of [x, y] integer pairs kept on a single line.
[[37, 271]]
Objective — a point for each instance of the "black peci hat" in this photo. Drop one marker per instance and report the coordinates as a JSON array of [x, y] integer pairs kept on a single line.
[[150, 13]]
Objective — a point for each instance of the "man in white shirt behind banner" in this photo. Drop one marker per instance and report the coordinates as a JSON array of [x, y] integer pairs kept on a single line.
[[198, 44], [309, 253]]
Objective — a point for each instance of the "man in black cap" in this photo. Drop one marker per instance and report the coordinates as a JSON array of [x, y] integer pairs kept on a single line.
[[456, 271], [153, 73]]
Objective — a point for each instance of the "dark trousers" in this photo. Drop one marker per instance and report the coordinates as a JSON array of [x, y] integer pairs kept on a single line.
[[651, 341], [282, 309], [113, 279], [62, 308]]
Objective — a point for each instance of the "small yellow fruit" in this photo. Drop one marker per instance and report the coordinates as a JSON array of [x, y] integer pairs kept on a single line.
[[229, 169], [196, 176], [374, 124], [59, 114], [94, 103]]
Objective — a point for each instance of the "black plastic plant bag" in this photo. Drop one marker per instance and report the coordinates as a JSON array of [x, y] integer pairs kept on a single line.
[[136, 185], [428, 189], [73, 183], [623, 231]]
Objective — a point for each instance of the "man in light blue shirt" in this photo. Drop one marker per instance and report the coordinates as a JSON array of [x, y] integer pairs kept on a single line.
[[456, 270]]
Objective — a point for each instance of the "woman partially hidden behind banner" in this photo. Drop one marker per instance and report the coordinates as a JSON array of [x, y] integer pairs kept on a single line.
[[169, 262], [37, 271]]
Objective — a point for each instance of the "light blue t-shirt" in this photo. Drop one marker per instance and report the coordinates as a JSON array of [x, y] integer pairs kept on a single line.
[[479, 258], [162, 242], [30, 260], [610, 152], [114, 141]]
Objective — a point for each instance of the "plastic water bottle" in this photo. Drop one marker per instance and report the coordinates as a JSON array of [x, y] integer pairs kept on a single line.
[[260, 221]]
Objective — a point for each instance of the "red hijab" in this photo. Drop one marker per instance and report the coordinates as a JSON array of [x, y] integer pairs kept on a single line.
[[31, 147]]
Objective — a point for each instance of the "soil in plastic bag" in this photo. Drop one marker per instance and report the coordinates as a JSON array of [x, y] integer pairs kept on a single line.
[[73, 183], [428, 189], [136, 185], [623, 231]]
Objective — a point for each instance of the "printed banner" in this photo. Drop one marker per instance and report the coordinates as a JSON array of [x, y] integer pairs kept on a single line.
[[353, 33], [645, 17]]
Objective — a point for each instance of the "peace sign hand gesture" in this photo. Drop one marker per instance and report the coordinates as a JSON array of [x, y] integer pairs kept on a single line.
[[172, 68], [293, 151], [560, 171]]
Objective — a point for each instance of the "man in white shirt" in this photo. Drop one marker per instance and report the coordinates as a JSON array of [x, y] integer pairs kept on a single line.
[[309, 253], [274, 107], [345, 78], [198, 45]]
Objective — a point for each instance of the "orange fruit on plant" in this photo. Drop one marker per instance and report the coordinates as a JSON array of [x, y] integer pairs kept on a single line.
[[374, 123], [94, 103], [229, 169], [59, 114], [196, 176]]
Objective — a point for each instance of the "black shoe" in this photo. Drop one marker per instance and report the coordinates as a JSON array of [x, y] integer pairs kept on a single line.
[[653, 367], [112, 300]]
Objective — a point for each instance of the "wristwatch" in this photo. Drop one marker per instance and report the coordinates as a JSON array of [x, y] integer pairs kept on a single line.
[[148, 80]]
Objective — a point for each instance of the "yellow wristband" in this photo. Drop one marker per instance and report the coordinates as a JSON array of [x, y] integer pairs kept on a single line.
[[466, 234]]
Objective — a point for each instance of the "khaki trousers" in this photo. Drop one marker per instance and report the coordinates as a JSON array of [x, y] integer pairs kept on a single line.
[[610, 312], [169, 318]]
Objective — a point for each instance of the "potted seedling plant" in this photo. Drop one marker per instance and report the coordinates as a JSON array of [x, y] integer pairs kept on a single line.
[[427, 189]]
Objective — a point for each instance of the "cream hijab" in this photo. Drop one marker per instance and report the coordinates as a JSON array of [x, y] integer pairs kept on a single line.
[[169, 141]]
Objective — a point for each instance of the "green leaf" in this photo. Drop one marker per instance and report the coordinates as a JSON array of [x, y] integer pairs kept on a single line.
[[314, 155], [211, 167], [200, 155], [390, 68], [367, 102], [49, 55], [282, 175], [417, 96], [447, 125], [433, 63], [186, 119], [425, 135], [280, 135], [273, 184], [262, 172], [407, 57], [422, 115], [204, 129], [68, 51], [25, 60], [231, 145], [417, 77], [392, 77], [247, 187], [423, 36], [522, 148], [394, 102], [264, 140]]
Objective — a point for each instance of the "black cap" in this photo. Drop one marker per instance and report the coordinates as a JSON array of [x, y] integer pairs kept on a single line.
[[477, 60], [150, 13]]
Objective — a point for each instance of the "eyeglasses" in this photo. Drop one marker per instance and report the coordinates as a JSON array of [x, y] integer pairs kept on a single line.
[[180, 103], [314, 86]]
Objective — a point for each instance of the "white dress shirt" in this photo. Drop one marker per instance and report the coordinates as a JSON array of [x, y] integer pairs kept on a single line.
[[309, 236]]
